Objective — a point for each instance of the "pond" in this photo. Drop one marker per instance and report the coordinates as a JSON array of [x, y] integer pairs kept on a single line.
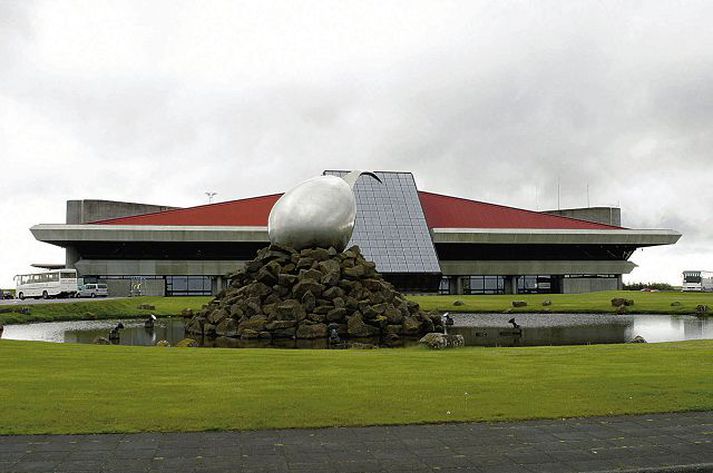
[[577, 329], [477, 329]]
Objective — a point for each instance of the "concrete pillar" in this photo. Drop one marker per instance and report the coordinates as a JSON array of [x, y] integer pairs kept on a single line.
[[217, 284], [455, 285], [71, 256], [510, 286]]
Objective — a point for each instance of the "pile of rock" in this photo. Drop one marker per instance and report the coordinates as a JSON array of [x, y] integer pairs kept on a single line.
[[311, 294]]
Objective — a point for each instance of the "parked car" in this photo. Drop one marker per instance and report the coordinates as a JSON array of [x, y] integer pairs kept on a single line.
[[92, 290], [7, 295]]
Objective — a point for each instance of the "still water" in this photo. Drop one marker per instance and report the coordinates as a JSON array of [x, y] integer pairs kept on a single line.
[[577, 329], [477, 329]]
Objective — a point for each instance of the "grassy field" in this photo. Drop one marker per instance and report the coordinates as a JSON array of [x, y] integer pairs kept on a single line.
[[595, 302], [68, 388], [102, 309]]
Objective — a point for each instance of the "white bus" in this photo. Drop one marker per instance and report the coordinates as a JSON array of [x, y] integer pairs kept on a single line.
[[53, 283], [697, 281]]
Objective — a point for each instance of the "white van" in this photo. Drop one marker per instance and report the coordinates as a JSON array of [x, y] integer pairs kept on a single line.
[[92, 290]]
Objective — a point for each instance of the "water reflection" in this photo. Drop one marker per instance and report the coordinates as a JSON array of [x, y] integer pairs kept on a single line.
[[477, 329], [577, 329]]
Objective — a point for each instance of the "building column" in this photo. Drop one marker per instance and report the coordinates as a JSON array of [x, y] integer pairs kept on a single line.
[[455, 285], [217, 284], [71, 257], [510, 285]]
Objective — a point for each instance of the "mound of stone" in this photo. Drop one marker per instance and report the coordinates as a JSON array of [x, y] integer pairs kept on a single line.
[[310, 294]]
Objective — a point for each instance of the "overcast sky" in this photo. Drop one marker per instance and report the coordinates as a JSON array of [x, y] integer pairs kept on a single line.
[[159, 102]]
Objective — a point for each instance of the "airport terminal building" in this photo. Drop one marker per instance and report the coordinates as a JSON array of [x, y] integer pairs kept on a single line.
[[420, 241]]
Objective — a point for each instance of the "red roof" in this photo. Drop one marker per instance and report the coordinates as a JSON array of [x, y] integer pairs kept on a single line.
[[441, 211], [252, 212]]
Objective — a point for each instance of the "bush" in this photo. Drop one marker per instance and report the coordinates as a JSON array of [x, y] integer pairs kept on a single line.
[[659, 286]]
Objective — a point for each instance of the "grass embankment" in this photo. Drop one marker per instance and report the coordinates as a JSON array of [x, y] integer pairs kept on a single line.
[[101, 309], [592, 303], [65, 388]]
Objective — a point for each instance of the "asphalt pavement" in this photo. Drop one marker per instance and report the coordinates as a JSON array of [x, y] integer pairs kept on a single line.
[[645, 443]]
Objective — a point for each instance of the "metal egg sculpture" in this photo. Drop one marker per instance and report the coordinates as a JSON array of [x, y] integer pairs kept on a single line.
[[319, 212]]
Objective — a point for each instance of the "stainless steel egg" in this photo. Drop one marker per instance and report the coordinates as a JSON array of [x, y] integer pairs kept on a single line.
[[319, 212]]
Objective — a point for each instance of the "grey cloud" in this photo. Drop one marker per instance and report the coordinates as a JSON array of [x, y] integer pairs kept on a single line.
[[506, 100]]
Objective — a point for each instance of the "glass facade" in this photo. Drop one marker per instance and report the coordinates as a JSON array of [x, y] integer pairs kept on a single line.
[[390, 225], [484, 285], [175, 285], [188, 285]]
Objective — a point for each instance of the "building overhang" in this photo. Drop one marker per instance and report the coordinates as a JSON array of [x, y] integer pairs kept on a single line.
[[101, 267], [533, 236], [535, 267], [63, 235]]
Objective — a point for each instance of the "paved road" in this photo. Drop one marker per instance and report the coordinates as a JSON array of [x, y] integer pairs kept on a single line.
[[651, 442], [18, 302]]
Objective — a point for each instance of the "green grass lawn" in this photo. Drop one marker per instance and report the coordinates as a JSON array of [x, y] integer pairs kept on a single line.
[[594, 302], [103, 309], [68, 388]]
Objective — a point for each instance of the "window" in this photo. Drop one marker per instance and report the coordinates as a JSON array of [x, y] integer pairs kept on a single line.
[[484, 285], [188, 285]]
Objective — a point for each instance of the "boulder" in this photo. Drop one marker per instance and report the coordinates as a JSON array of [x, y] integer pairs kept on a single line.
[[163, 343], [305, 285], [290, 309], [676, 304], [311, 331], [308, 301], [412, 326], [256, 324], [621, 301], [439, 341], [458, 302], [187, 342], [228, 327], [546, 303], [336, 314], [249, 334], [357, 328], [519, 304], [333, 293], [637, 339], [101, 341], [280, 324], [702, 309]]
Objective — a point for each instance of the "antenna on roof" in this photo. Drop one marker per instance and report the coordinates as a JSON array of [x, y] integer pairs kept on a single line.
[[210, 196], [588, 204], [558, 193]]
